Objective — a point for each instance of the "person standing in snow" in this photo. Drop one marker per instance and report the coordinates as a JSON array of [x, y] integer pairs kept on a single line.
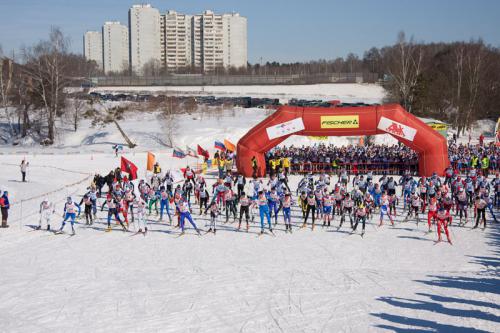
[[24, 165], [4, 208], [46, 210], [69, 214]]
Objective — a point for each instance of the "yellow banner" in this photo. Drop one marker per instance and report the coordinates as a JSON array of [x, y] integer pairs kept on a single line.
[[340, 121], [319, 138], [438, 127]]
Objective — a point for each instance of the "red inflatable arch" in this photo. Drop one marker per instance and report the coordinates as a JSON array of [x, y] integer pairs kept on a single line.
[[343, 121]]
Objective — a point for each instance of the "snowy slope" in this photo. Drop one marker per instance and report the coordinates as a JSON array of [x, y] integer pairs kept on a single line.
[[393, 279]]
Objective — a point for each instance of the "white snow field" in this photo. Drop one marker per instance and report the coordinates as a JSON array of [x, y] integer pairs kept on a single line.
[[327, 280]]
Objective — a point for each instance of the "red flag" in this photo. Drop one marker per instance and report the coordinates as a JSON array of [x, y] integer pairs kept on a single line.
[[203, 152], [129, 168]]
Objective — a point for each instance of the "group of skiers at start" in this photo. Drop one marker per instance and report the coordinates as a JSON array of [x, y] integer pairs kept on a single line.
[[232, 196]]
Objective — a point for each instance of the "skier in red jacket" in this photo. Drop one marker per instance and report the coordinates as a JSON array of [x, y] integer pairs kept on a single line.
[[443, 219]]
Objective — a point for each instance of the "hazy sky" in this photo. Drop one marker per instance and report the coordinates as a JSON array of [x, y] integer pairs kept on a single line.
[[280, 30]]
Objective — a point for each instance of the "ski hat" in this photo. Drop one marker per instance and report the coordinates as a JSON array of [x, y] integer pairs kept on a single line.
[[68, 199]]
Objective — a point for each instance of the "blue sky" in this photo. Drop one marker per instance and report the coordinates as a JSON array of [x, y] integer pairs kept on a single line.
[[280, 30]]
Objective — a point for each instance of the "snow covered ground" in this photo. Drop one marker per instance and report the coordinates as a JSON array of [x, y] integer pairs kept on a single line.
[[394, 279]]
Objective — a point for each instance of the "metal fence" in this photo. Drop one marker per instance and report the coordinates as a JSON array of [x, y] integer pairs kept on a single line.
[[224, 80]]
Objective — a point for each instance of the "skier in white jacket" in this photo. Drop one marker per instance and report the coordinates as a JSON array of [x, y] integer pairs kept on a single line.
[[47, 209]]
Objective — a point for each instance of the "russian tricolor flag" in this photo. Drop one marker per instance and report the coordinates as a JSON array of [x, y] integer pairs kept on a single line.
[[219, 145]]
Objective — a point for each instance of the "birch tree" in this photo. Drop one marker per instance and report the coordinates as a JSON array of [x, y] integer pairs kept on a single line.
[[6, 75], [45, 67], [405, 69]]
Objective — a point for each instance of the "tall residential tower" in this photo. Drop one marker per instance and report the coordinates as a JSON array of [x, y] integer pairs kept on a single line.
[[92, 47], [144, 36], [116, 44]]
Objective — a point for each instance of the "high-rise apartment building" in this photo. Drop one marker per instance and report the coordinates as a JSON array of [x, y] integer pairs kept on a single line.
[[144, 36], [115, 47], [170, 41], [219, 40], [235, 40], [176, 43], [92, 47]]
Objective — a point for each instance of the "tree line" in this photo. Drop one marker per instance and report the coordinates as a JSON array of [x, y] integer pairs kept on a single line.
[[33, 88], [456, 82]]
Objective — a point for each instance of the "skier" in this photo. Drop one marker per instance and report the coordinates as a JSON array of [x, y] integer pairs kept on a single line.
[[262, 202], [129, 199], [240, 182], [204, 196], [338, 196], [443, 218], [273, 202], [327, 204], [153, 198], [141, 215], [189, 175], [69, 213], [113, 209], [311, 208], [360, 216], [480, 206], [433, 209], [244, 209], [462, 205], [384, 209], [187, 188], [415, 202], [214, 212], [164, 203], [88, 205], [186, 214], [287, 204], [46, 210], [393, 202], [230, 199], [347, 205]]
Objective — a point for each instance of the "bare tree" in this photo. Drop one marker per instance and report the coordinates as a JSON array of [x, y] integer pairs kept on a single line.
[[6, 75], [459, 70], [474, 62], [45, 66], [405, 69], [77, 106]]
